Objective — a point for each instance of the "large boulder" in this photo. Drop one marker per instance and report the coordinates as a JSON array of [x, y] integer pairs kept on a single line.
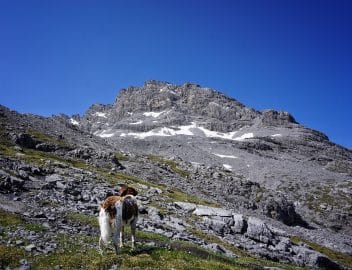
[[259, 231], [202, 210], [279, 208], [26, 140]]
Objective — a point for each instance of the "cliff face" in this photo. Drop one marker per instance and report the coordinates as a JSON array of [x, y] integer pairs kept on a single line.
[[204, 164]]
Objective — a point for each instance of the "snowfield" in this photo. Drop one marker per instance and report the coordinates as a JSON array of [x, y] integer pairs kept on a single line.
[[100, 114], [74, 122], [153, 114], [224, 156], [187, 130]]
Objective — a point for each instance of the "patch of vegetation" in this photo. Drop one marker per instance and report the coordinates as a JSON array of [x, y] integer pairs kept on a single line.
[[10, 256], [177, 195], [76, 252], [80, 252], [121, 156], [40, 158], [173, 165], [83, 219], [9, 219], [4, 140], [34, 227], [114, 178], [7, 150], [325, 196], [339, 257], [46, 138]]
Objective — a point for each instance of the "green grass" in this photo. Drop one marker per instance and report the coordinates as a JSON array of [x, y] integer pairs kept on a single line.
[[83, 219], [75, 252], [173, 165], [46, 138], [10, 256], [121, 156], [13, 220], [177, 195], [339, 257], [34, 227], [9, 219], [80, 252]]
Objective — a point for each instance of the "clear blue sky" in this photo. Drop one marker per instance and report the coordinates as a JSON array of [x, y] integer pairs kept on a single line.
[[292, 55]]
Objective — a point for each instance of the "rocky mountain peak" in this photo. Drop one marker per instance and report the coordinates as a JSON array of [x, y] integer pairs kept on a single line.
[[208, 170]]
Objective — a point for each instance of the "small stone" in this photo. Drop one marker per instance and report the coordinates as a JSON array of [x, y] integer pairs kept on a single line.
[[30, 247], [18, 148], [24, 265], [19, 242], [40, 215], [150, 244], [46, 225]]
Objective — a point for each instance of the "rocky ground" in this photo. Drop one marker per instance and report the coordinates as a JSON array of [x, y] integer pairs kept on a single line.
[[54, 174]]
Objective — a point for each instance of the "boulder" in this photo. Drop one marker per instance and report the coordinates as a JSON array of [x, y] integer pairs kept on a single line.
[[240, 224], [25, 140], [46, 147], [202, 210], [309, 257], [259, 231], [281, 209], [188, 207]]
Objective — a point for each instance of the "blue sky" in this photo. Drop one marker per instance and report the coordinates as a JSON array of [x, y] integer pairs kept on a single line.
[[295, 55]]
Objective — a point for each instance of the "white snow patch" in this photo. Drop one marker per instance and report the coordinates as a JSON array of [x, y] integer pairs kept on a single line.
[[244, 136], [137, 123], [100, 114], [165, 89], [163, 132], [104, 134], [74, 122], [276, 135], [195, 164], [129, 113], [153, 114], [215, 134], [224, 156], [227, 166]]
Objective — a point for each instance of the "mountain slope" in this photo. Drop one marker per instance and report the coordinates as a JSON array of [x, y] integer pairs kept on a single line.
[[211, 172], [203, 127]]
